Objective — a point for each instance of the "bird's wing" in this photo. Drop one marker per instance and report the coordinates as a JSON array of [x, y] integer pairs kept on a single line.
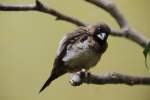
[[70, 38]]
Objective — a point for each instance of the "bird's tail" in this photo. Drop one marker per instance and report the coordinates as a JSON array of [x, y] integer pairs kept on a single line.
[[55, 74]]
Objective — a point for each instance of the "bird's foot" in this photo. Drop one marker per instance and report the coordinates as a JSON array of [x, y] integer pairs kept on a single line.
[[78, 77]]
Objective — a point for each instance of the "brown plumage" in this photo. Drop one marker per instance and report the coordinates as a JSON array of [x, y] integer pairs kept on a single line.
[[80, 49]]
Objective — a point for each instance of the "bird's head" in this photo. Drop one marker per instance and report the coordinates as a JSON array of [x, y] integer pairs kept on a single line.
[[101, 32]]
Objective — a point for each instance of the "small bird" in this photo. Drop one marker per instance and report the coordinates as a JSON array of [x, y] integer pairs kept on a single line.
[[81, 49]]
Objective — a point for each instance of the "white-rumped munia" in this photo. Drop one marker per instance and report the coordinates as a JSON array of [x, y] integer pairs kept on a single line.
[[81, 49]]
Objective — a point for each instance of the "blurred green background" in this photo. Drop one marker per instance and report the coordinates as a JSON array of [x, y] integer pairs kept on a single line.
[[28, 43]]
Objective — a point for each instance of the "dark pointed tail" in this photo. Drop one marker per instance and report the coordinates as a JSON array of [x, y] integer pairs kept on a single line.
[[46, 83], [55, 74]]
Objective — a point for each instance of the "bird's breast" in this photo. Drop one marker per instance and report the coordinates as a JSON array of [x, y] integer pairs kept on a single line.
[[81, 55]]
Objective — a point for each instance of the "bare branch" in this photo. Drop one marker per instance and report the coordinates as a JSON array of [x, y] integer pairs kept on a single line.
[[131, 34], [41, 8], [110, 7], [111, 78], [126, 30]]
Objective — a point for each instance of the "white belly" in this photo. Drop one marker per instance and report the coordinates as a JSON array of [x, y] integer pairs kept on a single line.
[[81, 56]]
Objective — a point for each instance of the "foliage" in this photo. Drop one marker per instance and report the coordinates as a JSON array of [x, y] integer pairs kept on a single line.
[[146, 52]]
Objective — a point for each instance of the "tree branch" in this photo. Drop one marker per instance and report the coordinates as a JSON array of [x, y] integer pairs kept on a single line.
[[110, 7], [110, 78], [41, 8], [125, 29]]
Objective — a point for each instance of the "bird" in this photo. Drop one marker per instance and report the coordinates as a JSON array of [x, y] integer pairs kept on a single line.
[[80, 49]]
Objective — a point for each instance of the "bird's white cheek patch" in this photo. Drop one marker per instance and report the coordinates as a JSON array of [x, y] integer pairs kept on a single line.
[[101, 36]]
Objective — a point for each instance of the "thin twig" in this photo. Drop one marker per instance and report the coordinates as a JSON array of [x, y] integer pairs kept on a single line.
[[41, 8], [110, 7]]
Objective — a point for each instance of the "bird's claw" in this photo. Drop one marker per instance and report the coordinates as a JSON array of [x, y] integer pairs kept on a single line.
[[78, 77]]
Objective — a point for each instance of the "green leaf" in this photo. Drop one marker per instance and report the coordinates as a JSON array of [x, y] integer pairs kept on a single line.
[[146, 52]]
